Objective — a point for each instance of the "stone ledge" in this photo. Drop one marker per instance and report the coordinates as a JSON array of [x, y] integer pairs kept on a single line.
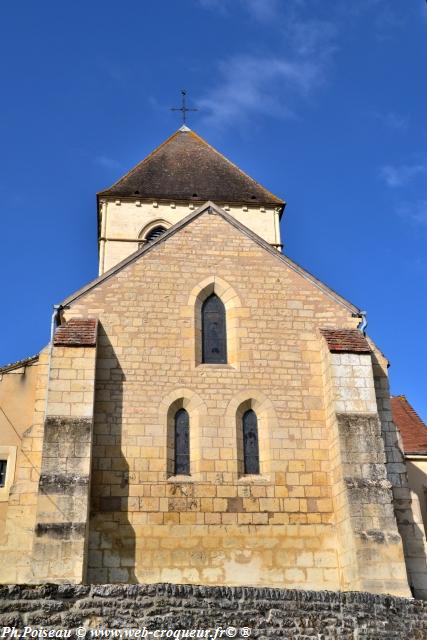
[[60, 530], [63, 483]]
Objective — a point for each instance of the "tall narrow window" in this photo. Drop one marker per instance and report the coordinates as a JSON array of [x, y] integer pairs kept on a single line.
[[182, 443], [250, 442], [3, 467], [214, 339]]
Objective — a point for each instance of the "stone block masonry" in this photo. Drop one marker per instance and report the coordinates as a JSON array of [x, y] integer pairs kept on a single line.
[[61, 532], [216, 526], [219, 526], [268, 613], [410, 527], [318, 516]]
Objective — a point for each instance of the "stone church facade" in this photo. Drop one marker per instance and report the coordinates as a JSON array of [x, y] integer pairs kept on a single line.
[[207, 412]]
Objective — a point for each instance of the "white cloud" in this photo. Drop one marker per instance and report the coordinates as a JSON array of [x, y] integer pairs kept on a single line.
[[257, 85], [106, 161], [260, 10], [114, 70], [396, 121], [391, 119], [312, 37], [415, 212], [272, 82], [213, 4], [399, 176]]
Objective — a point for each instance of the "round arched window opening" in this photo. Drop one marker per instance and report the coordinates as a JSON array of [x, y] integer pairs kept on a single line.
[[154, 233]]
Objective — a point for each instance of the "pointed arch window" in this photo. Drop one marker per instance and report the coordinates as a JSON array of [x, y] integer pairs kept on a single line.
[[214, 337], [250, 442], [182, 443]]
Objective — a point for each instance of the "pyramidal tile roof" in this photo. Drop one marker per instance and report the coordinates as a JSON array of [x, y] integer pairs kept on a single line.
[[411, 427], [186, 167]]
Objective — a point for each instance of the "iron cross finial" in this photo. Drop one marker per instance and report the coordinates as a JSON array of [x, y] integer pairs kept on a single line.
[[184, 107]]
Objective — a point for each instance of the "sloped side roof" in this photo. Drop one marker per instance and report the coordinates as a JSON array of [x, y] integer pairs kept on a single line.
[[411, 427], [345, 341], [19, 363], [207, 208], [186, 167], [77, 332]]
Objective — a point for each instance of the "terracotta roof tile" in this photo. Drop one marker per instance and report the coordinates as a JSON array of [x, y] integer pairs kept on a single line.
[[345, 341], [77, 332], [411, 427], [186, 167]]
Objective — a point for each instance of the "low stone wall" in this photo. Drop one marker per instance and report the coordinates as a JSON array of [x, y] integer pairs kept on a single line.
[[268, 613]]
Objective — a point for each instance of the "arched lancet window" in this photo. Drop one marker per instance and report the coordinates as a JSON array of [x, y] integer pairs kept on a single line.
[[250, 442], [214, 338], [154, 233], [182, 443]]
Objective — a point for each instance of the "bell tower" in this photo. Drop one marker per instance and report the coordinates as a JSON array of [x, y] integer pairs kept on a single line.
[[179, 176]]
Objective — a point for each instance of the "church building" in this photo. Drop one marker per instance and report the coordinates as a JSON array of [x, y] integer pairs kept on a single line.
[[206, 411]]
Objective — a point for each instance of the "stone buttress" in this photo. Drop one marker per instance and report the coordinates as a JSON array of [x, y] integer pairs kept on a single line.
[[371, 553], [61, 531]]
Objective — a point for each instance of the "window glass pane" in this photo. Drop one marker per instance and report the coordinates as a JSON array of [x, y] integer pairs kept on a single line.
[[214, 341], [182, 443], [3, 466], [250, 442]]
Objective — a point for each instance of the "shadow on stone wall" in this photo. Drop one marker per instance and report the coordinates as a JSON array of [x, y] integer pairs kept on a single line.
[[411, 531], [111, 554]]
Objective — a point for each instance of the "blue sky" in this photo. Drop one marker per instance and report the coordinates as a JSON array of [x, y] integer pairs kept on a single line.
[[322, 102]]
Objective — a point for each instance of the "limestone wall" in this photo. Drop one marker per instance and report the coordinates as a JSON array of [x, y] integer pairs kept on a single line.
[[214, 527], [405, 501], [19, 516], [123, 221], [272, 613], [306, 521], [417, 478], [17, 394]]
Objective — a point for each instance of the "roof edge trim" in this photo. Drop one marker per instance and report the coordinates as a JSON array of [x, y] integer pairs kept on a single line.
[[18, 364], [415, 454]]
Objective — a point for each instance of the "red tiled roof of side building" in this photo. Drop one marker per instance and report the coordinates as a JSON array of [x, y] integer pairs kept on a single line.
[[77, 332], [346, 341], [412, 429]]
